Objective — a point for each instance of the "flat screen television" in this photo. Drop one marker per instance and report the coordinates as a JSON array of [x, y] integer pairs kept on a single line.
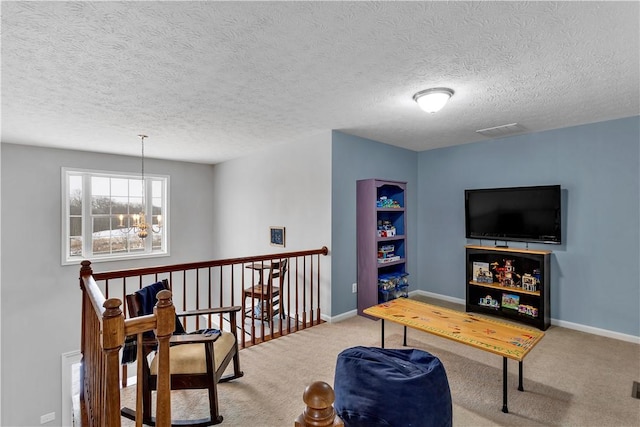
[[524, 214]]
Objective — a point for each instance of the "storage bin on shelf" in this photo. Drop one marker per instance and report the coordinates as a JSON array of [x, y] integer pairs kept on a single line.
[[392, 286]]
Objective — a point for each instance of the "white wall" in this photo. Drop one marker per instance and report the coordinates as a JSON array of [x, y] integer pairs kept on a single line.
[[40, 298], [0, 277], [288, 185]]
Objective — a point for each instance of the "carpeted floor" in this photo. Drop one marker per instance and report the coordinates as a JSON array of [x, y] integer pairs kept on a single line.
[[570, 378]]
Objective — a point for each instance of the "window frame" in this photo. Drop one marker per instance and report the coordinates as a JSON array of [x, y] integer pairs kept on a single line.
[[86, 215]]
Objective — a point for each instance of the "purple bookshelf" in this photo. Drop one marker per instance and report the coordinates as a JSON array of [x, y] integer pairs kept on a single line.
[[381, 241]]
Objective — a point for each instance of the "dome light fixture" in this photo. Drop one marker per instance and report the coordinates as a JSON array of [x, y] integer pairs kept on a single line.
[[432, 100]]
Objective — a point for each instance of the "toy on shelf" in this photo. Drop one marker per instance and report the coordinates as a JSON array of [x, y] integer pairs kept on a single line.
[[536, 274], [386, 229], [510, 301], [481, 272], [386, 251], [506, 275], [386, 254], [529, 283], [389, 259], [488, 301], [528, 310], [385, 203]]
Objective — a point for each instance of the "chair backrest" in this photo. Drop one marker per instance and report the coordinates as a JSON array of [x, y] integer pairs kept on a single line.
[[141, 303], [137, 306], [278, 269]]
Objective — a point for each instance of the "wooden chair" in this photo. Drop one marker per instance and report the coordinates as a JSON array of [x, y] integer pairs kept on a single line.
[[266, 304], [197, 360]]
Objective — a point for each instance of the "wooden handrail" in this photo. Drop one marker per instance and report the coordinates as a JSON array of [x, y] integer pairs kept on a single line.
[[143, 271], [214, 283], [89, 285]]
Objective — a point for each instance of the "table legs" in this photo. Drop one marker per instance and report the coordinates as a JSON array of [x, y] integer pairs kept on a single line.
[[504, 386], [520, 388], [404, 343], [505, 409]]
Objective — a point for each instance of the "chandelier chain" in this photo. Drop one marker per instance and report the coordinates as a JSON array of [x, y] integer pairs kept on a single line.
[[142, 137]]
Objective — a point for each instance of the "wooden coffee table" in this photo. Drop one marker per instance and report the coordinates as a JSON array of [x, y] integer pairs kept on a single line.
[[501, 338]]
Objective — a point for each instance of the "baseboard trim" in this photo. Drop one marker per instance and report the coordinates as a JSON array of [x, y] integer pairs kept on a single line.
[[438, 296], [596, 331], [340, 317], [561, 323], [68, 360]]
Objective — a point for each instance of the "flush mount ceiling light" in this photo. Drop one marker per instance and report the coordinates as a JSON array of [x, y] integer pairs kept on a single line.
[[432, 100]]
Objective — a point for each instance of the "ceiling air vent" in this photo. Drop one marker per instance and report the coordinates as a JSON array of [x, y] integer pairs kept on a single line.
[[500, 131]]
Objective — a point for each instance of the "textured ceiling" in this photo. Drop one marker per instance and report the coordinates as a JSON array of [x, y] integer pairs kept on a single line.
[[211, 81]]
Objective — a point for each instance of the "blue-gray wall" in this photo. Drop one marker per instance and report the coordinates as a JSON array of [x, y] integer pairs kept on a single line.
[[595, 273], [355, 158]]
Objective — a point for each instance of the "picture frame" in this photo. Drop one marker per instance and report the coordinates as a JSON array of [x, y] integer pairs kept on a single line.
[[277, 236]]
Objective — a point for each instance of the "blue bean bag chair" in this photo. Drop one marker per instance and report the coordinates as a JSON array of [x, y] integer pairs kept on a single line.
[[388, 387]]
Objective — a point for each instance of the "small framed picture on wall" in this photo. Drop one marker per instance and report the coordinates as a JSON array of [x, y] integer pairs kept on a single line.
[[277, 236]]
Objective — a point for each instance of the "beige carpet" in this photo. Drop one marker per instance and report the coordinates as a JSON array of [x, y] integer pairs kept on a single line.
[[570, 379]]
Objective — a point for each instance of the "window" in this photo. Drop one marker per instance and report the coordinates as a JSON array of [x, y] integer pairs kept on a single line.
[[101, 212]]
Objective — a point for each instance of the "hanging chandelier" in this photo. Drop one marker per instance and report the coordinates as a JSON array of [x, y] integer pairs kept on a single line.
[[139, 223]]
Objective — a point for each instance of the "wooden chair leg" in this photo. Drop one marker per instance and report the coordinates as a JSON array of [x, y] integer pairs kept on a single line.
[[237, 373], [146, 398], [147, 417], [216, 418]]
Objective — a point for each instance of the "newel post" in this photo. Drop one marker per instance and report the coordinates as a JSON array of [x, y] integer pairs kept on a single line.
[[166, 317], [319, 397], [85, 270], [112, 342]]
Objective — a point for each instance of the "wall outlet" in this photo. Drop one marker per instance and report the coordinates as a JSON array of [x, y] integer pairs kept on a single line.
[[47, 418], [354, 288]]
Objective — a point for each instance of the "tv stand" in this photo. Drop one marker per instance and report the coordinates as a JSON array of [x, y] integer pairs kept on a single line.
[[510, 283]]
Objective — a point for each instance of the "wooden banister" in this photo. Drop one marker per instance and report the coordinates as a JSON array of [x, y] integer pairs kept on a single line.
[[144, 271], [102, 339], [319, 398], [220, 283], [104, 329]]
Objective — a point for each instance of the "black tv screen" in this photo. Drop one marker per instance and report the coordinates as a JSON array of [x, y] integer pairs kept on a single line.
[[525, 214]]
